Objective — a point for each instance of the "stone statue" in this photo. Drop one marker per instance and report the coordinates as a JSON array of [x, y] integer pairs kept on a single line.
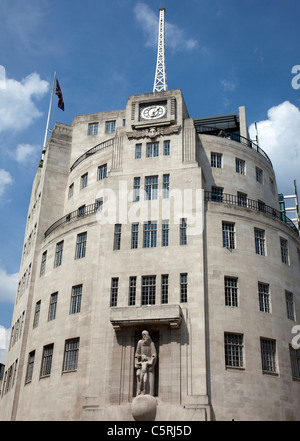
[[145, 359]]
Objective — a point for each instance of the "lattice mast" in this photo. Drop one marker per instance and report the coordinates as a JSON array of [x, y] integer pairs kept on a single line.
[[160, 82]]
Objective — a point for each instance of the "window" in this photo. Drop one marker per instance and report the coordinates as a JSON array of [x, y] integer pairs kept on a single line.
[[138, 151], [71, 191], [183, 288], [150, 234], [231, 291], [264, 297], [76, 295], [259, 236], [93, 129], [52, 306], [99, 204], [134, 236], [37, 314], [43, 263], [290, 307], [47, 360], [164, 288], [30, 364], [298, 252], [259, 175], [152, 149], [216, 160], [81, 211], [102, 172], [268, 354], [183, 232], [132, 291], [217, 194], [166, 186], [80, 245], [166, 148], [284, 251], [151, 186], [71, 355], [110, 126], [234, 347], [148, 290], [295, 362], [58, 254], [136, 189], [165, 233], [242, 199], [228, 232], [240, 166], [117, 237], [114, 291], [83, 181]]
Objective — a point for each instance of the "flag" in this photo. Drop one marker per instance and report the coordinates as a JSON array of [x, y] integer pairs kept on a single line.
[[61, 103]]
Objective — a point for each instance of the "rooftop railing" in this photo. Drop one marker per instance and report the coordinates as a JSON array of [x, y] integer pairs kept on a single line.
[[92, 151]]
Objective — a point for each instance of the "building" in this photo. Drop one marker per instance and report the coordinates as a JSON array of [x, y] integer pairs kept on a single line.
[[148, 219]]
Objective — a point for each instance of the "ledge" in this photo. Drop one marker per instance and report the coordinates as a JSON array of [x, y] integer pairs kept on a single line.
[[170, 315]]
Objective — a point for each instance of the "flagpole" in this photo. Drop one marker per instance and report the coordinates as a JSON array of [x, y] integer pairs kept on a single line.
[[49, 112]]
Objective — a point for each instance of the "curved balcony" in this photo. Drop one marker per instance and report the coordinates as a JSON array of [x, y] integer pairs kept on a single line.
[[103, 145]]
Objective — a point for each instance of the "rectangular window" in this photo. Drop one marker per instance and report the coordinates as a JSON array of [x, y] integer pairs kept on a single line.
[[231, 291], [183, 288], [290, 306], [132, 291], [268, 354], [37, 314], [148, 290], [71, 191], [234, 347], [110, 126], [259, 175], [295, 362], [114, 291], [284, 251], [298, 252], [216, 160], [99, 204], [58, 254], [264, 297], [81, 211], [83, 181], [138, 151], [117, 237], [152, 149], [183, 232], [76, 296], [166, 186], [93, 129], [150, 234], [259, 236], [165, 233], [166, 148], [30, 365], [102, 172], [71, 355], [217, 194], [80, 245], [151, 187], [164, 288], [134, 236], [52, 306], [43, 263], [242, 199], [228, 232], [136, 189], [47, 360], [240, 166]]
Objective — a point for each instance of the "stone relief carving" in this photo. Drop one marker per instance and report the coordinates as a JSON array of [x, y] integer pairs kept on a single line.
[[145, 359], [153, 132]]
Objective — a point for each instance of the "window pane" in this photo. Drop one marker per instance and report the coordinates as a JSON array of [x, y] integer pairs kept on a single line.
[[71, 354], [148, 290]]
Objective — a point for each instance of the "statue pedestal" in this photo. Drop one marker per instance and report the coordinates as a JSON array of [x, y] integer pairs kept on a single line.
[[144, 408]]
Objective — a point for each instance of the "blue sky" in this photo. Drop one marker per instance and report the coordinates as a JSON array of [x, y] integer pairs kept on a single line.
[[222, 54]]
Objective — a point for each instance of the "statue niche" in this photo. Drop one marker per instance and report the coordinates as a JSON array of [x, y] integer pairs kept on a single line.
[[145, 360]]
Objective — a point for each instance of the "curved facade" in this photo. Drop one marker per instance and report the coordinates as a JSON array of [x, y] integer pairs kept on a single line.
[[143, 220]]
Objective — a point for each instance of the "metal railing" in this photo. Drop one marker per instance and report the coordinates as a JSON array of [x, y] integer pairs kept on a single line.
[[92, 151], [251, 204]]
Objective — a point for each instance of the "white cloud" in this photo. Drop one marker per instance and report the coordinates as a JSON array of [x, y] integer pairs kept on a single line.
[[175, 37], [279, 137], [228, 85], [4, 341], [5, 180], [26, 152], [17, 108], [8, 286]]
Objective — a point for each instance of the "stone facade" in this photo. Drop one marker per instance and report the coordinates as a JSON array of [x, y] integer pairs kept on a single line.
[[137, 221]]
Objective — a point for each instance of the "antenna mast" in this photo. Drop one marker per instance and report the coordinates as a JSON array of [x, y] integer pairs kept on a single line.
[[160, 82]]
